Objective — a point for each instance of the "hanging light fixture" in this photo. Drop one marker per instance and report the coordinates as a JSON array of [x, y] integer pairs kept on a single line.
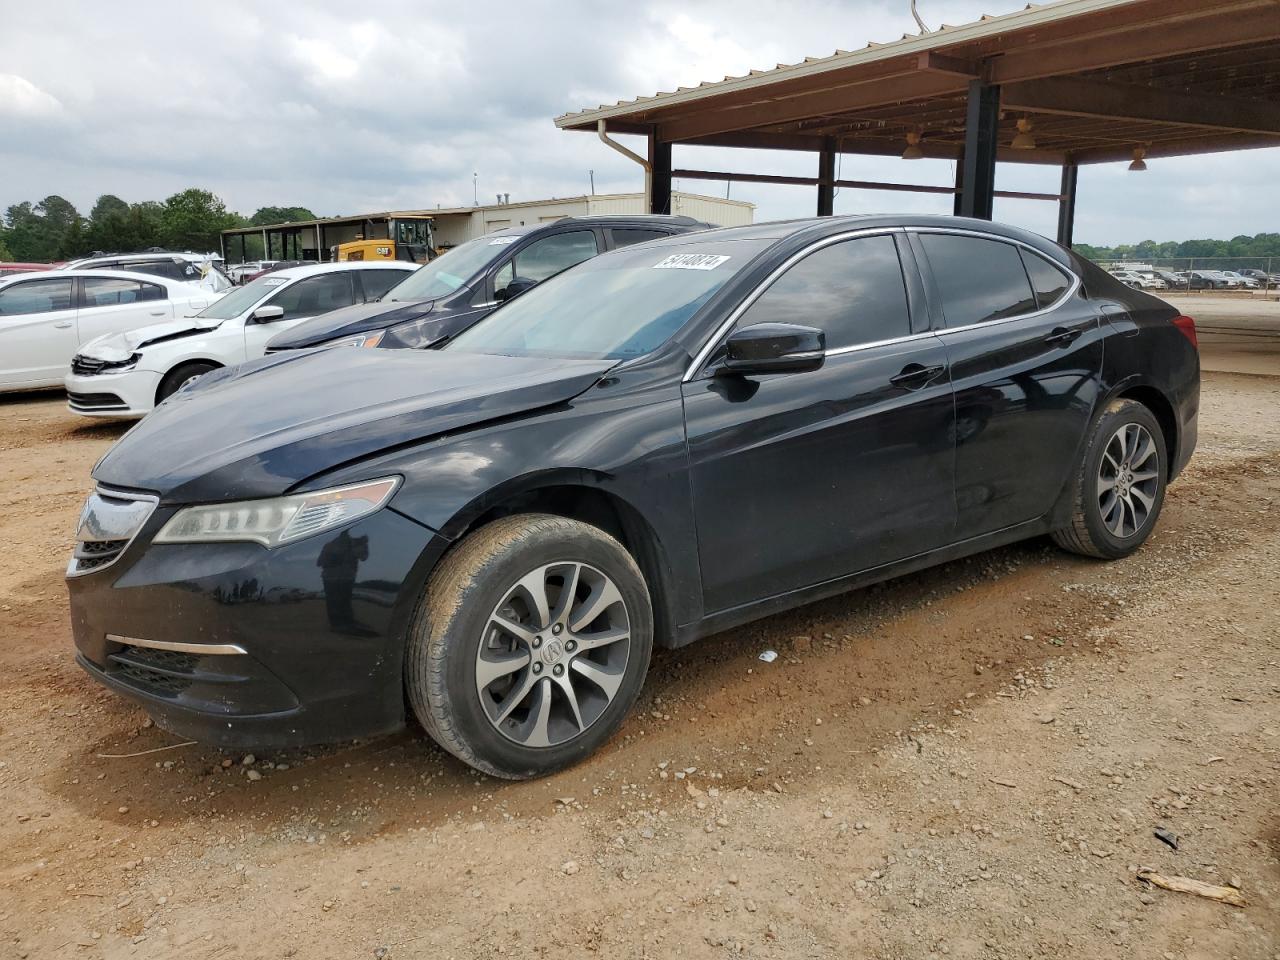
[[1024, 139], [1139, 164], [913, 151]]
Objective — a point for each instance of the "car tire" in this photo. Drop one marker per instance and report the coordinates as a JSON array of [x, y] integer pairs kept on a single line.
[[1119, 489], [180, 376], [518, 687]]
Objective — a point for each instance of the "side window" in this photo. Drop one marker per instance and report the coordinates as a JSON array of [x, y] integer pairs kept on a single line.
[[546, 257], [1048, 281], [853, 291], [35, 296], [314, 295], [626, 237], [378, 282], [110, 292], [979, 280]]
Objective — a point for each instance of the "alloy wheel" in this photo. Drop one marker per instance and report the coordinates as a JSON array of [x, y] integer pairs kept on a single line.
[[553, 654], [1128, 480]]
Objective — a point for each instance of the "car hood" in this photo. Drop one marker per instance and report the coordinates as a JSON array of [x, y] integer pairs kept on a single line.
[[348, 321], [259, 429], [114, 347]]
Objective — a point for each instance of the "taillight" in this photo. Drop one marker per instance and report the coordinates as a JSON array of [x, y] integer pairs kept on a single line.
[[1188, 328]]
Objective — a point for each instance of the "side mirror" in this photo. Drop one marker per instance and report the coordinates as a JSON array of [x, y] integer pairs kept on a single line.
[[774, 348], [268, 314], [513, 289]]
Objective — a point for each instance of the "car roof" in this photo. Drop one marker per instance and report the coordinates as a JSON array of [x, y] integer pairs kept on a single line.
[[92, 272], [292, 273], [607, 220]]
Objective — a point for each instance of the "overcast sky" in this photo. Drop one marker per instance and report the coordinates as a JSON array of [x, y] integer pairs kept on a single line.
[[347, 108]]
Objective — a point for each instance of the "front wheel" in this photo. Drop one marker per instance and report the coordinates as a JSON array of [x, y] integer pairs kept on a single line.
[[180, 376], [530, 645], [1119, 489]]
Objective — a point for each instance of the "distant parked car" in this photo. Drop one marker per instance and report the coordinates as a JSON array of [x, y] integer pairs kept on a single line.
[[274, 266], [458, 288], [241, 272], [45, 317], [198, 268], [1206, 280], [1172, 279], [1240, 280], [1138, 280], [1262, 277], [128, 373]]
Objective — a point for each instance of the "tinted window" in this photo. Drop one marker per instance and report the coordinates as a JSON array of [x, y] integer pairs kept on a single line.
[[35, 296], [625, 238], [979, 280], [853, 291], [314, 295], [378, 282], [110, 292], [173, 270], [546, 257], [1049, 282]]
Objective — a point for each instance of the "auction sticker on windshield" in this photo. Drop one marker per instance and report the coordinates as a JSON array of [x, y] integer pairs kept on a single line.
[[274, 281], [690, 261], [501, 241]]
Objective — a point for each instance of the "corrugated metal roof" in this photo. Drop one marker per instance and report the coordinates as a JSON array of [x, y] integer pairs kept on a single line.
[[1033, 15]]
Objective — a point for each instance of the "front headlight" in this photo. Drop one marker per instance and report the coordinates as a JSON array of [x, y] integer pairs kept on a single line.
[[370, 339], [280, 520]]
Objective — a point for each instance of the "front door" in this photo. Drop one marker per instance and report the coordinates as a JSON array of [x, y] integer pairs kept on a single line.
[[800, 478], [300, 301], [1025, 352], [37, 331]]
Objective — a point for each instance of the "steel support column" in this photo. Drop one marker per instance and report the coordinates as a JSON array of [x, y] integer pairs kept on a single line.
[[659, 174], [827, 177], [1067, 204], [978, 168]]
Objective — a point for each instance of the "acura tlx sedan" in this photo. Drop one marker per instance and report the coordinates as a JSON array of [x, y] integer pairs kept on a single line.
[[662, 442]]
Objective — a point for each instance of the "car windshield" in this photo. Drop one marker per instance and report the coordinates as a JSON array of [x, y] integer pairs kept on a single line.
[[451, 270], [620, 305], [242, 298]]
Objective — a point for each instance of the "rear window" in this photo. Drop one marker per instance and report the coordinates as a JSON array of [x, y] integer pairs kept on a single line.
[[1048, 281], [979, 280]]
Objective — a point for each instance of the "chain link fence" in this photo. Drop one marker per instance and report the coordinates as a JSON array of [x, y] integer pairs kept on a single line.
[[1256, 276]]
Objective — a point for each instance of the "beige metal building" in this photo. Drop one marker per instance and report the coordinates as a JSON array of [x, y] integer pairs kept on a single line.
[[450, 226]]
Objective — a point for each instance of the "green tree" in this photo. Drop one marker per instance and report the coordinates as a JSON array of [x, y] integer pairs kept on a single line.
[[269, 215], [193, 220], [5, 255], [109, 228], [45, 231]]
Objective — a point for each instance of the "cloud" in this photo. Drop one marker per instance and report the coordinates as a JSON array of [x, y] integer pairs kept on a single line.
[[346, 108], [20, 97]]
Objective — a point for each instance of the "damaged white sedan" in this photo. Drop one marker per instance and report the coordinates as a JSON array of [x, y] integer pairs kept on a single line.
[[128, 374]]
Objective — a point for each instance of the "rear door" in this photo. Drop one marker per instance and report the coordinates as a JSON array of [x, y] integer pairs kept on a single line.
[[1025, 352], [799, 478], [37, 331], [116, 304]]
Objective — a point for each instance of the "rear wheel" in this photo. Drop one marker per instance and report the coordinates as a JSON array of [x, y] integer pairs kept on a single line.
[[530, 645], [1119, 490], [180, 376]]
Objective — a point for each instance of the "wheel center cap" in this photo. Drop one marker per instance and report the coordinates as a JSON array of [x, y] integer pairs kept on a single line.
[[552, 652]]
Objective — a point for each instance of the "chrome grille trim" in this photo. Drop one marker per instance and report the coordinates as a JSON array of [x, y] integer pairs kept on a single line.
[[108, 524], [213, 649]]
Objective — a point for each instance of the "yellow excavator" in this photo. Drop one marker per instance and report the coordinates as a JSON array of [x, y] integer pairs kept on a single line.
[[408, 240]]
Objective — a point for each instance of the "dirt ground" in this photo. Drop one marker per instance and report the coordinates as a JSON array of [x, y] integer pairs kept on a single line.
[[968, 762]]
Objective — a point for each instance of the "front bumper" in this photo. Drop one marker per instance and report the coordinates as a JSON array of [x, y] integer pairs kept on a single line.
[[323, 646], [128, 394]]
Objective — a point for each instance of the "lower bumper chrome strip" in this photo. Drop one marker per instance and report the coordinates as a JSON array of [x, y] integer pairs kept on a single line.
[[207, 649]]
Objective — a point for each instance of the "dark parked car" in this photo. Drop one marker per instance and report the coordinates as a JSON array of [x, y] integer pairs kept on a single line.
[[663, 442], [460, 287]]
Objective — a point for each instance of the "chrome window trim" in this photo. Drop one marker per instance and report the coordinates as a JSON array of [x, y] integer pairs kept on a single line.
[[212, 649], [983, 235], [115, 495], [700, 358]]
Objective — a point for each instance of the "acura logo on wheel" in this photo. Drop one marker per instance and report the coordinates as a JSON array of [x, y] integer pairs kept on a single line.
[[552, 651]]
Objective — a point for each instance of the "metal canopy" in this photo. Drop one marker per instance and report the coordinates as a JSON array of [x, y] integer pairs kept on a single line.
[[1091, 80]]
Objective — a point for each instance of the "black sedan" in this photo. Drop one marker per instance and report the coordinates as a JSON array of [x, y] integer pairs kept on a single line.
[[663, 442], [465, 284]]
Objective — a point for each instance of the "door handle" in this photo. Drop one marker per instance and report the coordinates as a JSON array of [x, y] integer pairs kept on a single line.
[[916, 375], [1061, 336], [62, 324], [157, 313]]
